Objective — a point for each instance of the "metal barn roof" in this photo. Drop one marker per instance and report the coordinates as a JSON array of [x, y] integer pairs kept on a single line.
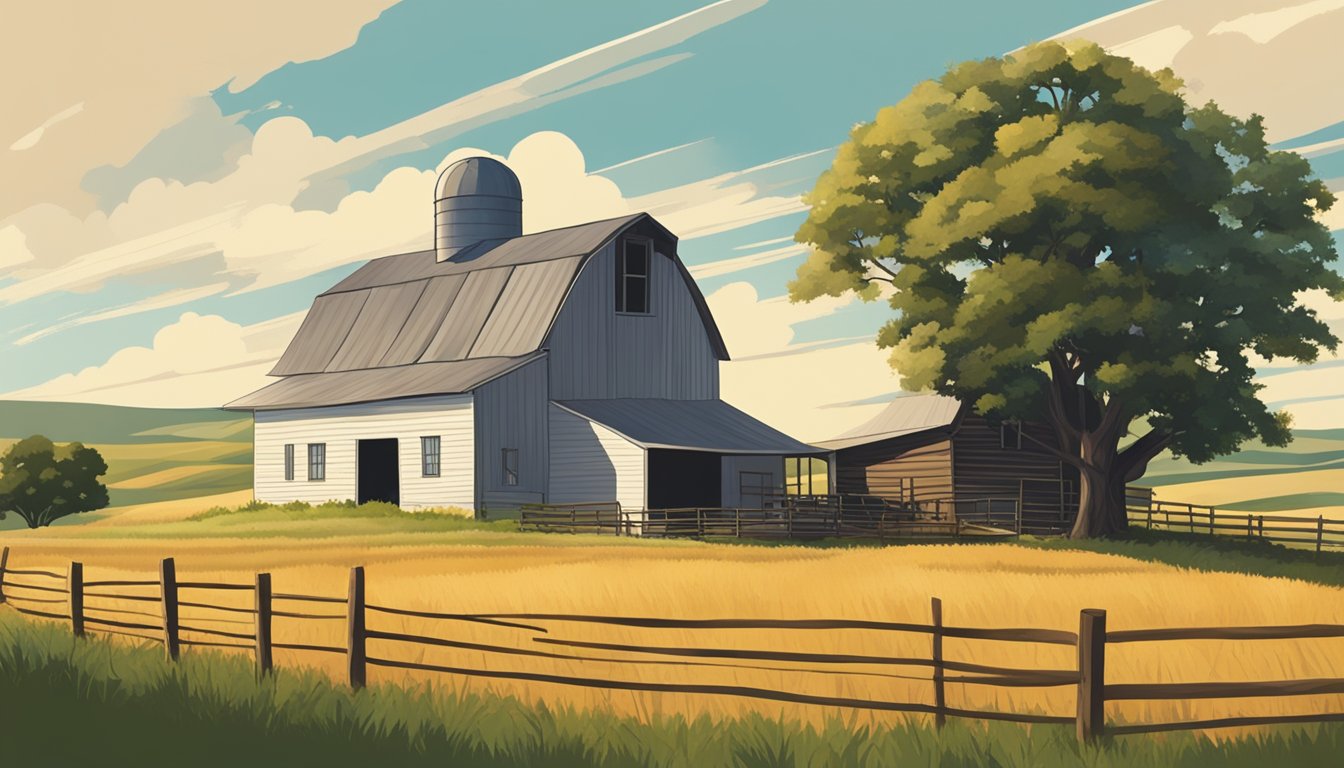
[[702, 425], [903, 416], [306, 390], [493, 299]]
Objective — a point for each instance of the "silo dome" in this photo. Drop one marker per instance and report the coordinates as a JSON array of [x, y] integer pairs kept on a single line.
[[477, 199]]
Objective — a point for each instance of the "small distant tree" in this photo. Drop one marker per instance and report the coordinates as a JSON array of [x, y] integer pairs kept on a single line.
[[1064, 238], [41, 482]]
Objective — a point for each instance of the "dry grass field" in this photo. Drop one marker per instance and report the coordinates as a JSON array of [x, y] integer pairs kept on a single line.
[[981, 586]]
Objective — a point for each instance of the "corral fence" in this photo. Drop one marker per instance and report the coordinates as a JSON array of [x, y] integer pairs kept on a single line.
[[1318, 533], [872, 517], [70, 597], [785, 517]]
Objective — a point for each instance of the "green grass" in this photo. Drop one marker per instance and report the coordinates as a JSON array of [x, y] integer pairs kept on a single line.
[[94, 702]]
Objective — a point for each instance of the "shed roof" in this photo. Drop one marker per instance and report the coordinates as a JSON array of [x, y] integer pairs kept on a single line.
[[306, 390], [906, 415], [702, 425], [493, 299]]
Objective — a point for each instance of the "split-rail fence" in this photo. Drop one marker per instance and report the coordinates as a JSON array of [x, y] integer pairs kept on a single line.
[[71, 597]]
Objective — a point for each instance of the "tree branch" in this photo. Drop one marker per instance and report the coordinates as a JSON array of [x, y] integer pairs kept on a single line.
[[1133, 461]]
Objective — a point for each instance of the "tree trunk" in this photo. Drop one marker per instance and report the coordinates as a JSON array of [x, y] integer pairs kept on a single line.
[[1101, 504]]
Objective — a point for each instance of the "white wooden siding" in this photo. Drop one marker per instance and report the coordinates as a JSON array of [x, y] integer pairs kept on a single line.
[[592, 463], [341, 427], [596, 353], [733, 466], [511, 413]]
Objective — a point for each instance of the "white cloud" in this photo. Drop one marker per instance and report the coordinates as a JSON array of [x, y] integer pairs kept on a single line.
[[1239, 54], [251, 220], [135, 70], [13, 248], [198, 361], [803, 389], [1264, 27]]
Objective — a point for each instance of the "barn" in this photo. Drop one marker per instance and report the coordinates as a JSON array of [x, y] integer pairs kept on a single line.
[[576, 365], [928, 449]]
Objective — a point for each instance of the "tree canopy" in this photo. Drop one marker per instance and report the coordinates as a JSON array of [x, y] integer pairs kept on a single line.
[[41, 482], [1063, 237]]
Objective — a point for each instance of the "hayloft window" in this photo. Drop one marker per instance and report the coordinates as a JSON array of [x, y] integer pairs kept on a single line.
[[632, 276], [429, 456], [317, 461], [289, 461], [1010, 435], [509, 457]]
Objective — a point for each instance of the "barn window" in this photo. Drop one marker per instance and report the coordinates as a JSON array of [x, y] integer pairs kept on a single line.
[[806, 476], [317, 461], [289, 461], [429, 456], [632, 276], [510, 460], [1010, 435]]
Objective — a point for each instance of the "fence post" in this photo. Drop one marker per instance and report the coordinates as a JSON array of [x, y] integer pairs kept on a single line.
[[939, 698], [262, 592], [1260, 526], [4, 560], [75, 586], [1091, 674], [1212, 512], [172, 643], [737, 513], [355, 654], [1320, 532]]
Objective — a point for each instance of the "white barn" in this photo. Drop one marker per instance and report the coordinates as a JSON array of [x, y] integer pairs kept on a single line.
[[571, 366]]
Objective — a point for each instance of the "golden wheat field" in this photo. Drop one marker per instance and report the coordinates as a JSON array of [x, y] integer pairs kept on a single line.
[[981, 586]]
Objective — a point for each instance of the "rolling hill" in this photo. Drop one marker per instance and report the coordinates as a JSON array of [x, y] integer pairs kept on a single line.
[[153, 454]]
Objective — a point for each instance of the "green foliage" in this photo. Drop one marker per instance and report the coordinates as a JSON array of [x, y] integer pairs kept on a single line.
[[41, 482], [128, 705], [258, 512], [1061, 222]]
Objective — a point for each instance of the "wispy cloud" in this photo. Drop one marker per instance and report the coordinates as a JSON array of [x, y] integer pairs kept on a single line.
[[161, 301], [30, 139]]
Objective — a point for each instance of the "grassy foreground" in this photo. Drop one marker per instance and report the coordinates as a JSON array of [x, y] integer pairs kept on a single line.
[[90, 702]]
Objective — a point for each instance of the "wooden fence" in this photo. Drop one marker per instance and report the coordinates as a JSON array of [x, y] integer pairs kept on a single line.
[[1317, 533], [50, 594], [786, 518]]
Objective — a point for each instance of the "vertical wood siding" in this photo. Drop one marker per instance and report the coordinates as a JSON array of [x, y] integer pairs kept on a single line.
[[596, 353], [733, 466], [341, 427], [984, 469], [511, 413], [592, 463], [886, 468]]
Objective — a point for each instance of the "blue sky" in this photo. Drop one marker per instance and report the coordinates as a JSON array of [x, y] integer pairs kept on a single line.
[[171, 268]]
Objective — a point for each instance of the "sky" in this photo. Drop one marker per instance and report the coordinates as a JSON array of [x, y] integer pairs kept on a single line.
[[182, 179]]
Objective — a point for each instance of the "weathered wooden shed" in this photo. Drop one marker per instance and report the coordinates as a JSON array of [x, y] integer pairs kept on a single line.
[[929, 448]]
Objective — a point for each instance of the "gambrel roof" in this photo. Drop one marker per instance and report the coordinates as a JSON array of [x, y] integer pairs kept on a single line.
[[493, 303]]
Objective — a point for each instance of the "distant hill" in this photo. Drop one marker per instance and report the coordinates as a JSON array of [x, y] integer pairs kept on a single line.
[[153, 454], [89, 423]]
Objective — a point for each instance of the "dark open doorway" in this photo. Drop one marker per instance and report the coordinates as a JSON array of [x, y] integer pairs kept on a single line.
[[679, 479], [378, 477]]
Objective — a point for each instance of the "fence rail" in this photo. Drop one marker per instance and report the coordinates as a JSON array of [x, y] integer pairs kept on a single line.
[[1318, 533], [1088, 677], [785, 517]]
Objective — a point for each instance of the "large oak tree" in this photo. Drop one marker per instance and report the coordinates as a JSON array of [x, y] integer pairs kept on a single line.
[[1062, 237]]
